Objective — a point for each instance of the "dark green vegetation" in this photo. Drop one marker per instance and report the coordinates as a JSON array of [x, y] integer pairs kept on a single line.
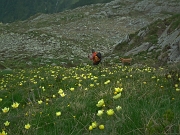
[[13, 10]]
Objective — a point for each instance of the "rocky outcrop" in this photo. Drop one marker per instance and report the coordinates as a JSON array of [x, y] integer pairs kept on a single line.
[[141, 48], [168, 47]]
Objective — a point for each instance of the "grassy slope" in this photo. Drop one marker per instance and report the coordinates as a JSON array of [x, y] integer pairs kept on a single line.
[[149, 101]]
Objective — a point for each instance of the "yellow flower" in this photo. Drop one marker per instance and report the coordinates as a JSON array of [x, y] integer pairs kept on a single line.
[[15, 105], [53, 96], [26, 114], [118, 89], [27, 126], [5, 110], [94, 124], [40, 102], [43, 89], [101, 127], [144, 82], [177, 89], [1, 99], [110, 112], [90, 127], [63, 95], [118, 108], [176, 85], [3, 133], [100, 103], [60, 91], [58, 113], [117, 96], [91, 85], [108, 81], [169, 76], [100, 112], [6, 123], [72, 89]]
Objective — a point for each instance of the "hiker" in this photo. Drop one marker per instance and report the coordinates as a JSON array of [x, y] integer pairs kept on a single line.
[[95, 57]]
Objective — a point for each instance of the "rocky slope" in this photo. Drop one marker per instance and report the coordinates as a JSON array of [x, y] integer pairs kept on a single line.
[[67, 37], [166, 40]]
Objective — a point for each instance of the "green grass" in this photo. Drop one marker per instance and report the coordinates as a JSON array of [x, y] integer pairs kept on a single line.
[[149, 101]]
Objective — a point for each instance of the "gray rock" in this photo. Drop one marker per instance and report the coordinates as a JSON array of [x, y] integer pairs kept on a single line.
[[141, 48], [170, 45], [152, 48]]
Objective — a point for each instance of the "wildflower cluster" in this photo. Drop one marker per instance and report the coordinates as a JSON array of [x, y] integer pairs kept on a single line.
[[109, 112]]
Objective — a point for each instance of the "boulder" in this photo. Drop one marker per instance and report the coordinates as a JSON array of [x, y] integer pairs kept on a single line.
[[141, 48]]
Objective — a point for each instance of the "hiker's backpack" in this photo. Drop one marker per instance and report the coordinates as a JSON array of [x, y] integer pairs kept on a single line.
[[99, 56]]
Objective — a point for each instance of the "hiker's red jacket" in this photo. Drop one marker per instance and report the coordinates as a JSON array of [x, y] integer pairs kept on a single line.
[[93, 57]]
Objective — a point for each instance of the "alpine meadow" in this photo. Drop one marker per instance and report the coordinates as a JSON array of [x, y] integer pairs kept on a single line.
[[48, 85]]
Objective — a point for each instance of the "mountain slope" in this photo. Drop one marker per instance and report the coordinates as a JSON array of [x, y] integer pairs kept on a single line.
[[66, 38], [20, 10]]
